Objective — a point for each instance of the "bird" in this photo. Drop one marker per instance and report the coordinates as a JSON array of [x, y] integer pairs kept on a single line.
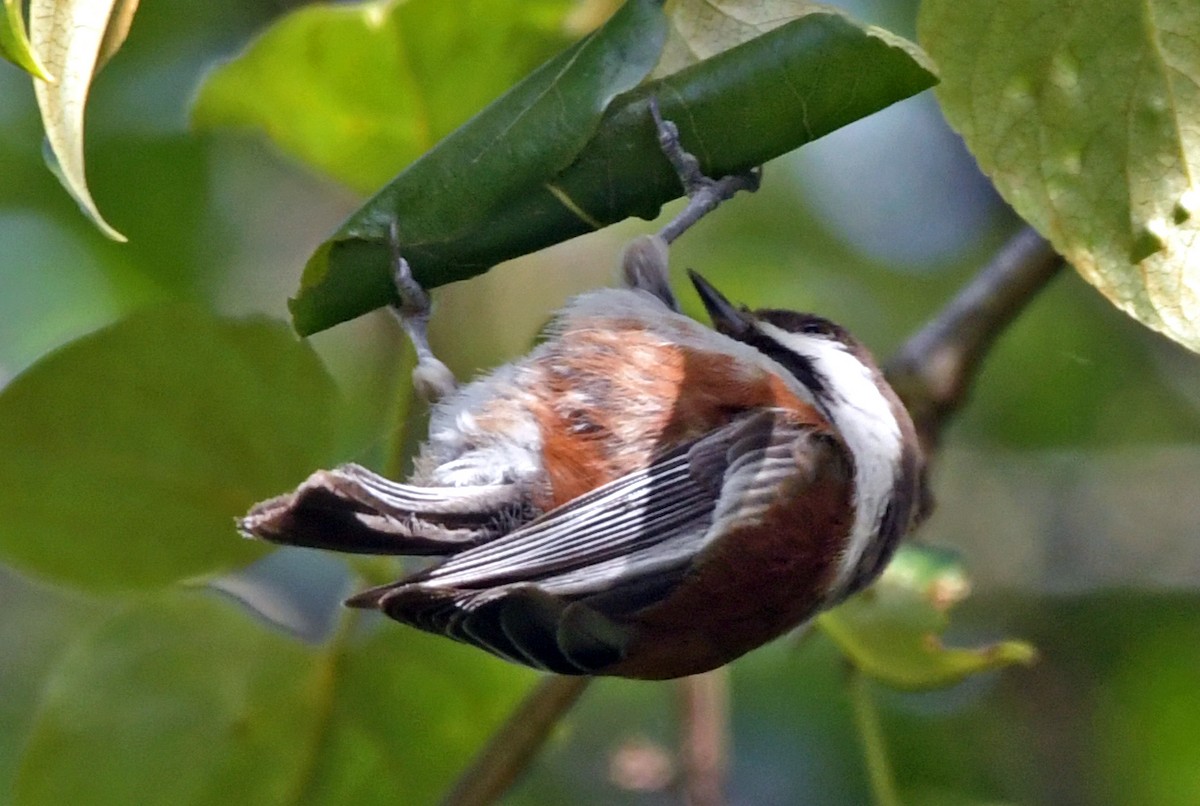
[[641, 495]]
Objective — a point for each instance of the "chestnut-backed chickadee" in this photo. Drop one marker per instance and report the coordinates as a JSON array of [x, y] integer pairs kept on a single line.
[[640, 495]]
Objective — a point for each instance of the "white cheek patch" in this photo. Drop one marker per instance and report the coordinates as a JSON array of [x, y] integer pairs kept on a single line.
[[864, 418]]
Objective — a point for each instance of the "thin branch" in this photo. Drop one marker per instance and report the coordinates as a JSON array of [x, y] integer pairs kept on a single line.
[[935, 368], [514, 744], [327, 670], [704, 744], [866, 716]]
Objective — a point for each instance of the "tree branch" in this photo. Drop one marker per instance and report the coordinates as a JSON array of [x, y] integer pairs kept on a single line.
[[704, 728], [870, 731], [934, 369], [514, 744]]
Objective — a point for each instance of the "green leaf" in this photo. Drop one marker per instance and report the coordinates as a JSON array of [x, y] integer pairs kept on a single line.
[[540, 165], [515, 144], [408, 713], [185, 700], [125, 456], [180, 700], [14, 42], [892, 630], [39, 624], [1085, 116], [360, 90], [73, 39]]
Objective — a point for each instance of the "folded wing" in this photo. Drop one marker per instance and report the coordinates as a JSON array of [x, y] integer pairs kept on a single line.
[[557, 593]]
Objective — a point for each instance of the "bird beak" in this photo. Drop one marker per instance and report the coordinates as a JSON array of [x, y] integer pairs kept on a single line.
[[725, 317]]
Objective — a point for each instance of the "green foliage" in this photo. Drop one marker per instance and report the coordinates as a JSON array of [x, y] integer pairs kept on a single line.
[[39, 622], [72, 41], [414, 77], [1146, 717], [1084, 115], [482, 169], [206, 703], [124, 462], [554, 158], [892, 631], [1073, 371], [14, 41], [407, 713]]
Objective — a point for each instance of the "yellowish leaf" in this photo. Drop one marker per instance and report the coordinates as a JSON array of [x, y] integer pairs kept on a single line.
[[73, 38], [700, 29], [119, 22], [588, 15], [1087, 118]]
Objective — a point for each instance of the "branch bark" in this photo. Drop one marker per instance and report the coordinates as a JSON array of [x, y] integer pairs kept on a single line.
[[933, 371], [514, 745], [704, 741]]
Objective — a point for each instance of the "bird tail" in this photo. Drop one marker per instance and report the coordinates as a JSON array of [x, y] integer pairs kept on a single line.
[[354, 510]]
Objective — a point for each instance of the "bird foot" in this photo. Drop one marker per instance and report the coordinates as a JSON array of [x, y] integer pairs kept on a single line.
[[704, 193], [432, 379]]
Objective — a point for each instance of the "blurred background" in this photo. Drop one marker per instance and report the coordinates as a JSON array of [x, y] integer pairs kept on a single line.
[[1070, 483]]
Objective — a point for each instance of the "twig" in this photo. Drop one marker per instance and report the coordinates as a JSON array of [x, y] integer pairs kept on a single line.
[[866, 716], [703, 747], [934, 369], [513, 745]]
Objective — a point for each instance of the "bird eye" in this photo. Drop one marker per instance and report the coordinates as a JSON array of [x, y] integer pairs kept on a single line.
[[815, 328]]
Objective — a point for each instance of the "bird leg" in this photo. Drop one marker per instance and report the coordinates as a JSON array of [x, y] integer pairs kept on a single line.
[[704, 193], [432, 379], [644, 264]]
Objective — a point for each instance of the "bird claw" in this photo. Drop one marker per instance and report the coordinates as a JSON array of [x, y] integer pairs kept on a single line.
[[414, 301], [432, 379], [704, 193]]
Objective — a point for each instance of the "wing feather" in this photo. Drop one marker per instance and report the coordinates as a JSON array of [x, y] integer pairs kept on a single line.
[[557, 592], [639, 510]]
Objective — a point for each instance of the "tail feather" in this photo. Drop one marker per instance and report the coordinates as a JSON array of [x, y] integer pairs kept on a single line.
[[519, 623], [354, 510]]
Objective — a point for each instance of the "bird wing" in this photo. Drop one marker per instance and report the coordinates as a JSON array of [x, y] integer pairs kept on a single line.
[[552, 594]]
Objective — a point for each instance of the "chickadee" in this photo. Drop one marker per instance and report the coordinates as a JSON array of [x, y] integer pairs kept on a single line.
[[641, 495]]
